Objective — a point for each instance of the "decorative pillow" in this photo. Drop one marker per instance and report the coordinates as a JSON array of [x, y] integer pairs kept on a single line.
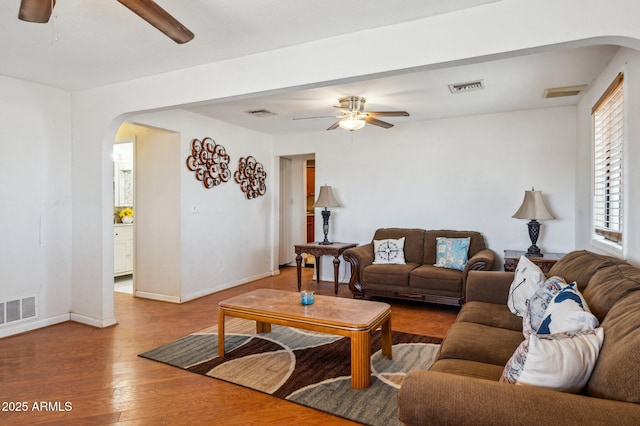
[[567, 311], [452, 253], [389, 251], [526, 281], [538, 303], [563, 362]]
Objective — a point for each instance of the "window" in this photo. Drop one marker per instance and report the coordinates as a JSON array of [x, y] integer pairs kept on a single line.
[[608, 163]]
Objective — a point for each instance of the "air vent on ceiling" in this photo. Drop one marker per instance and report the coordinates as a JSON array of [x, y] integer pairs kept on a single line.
[[466, 87], [558, 92], [260, 113]]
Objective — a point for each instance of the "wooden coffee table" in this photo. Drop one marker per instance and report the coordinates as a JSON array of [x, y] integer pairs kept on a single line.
[[352, 318]]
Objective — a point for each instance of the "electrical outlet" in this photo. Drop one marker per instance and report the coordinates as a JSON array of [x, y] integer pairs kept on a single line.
[[195, 209]]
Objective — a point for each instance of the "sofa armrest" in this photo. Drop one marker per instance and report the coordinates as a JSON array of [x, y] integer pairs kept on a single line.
[[358, 258], [489, 286], [432, 397], [481, 261]]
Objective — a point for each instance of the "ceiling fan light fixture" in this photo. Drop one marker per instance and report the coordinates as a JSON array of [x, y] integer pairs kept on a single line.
[[351, 124]]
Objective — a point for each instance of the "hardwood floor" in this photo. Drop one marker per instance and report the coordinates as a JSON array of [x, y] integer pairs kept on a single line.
[[71, 373]]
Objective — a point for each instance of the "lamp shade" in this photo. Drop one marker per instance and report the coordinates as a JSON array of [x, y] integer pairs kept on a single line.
[[326, 198], [533, 207]]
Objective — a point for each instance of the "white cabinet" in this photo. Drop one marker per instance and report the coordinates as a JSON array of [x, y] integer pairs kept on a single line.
[[123, 249]]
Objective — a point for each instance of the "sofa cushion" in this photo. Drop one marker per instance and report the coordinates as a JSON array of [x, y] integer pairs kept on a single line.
[[462, 367], [480, 343], [561, 361], [580, 265], [609, 285], [617, 375], [413, 244], [567, 311], [389, 251], [442, 281], [526, 281], [476, 244], [537, 306], [491, 314], [452, 253], [396, 275]]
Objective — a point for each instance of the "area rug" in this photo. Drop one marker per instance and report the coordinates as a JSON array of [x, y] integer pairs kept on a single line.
[[309, 368]]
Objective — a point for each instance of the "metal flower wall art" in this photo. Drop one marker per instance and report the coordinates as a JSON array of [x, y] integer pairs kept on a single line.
[[251, 177], [209, 161]]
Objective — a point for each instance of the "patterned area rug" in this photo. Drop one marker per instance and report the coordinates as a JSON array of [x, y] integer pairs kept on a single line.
[[312, 369]]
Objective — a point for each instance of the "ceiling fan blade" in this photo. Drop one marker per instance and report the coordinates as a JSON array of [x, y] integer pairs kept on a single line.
[[159, 18], [311, 118], [38, 11], [388, 113], [377, 122], [334, 125]]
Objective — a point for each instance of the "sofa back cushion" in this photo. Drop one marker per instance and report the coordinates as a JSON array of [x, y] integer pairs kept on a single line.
[[476, 244], [616, 374], [413, 243], [580, 265], [610, 284]]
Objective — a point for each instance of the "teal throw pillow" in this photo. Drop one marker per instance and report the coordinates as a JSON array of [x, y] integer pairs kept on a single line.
[[452, 253]]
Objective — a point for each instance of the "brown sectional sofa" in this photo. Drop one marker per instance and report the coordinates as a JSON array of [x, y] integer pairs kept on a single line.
[[462, 386], [418, 279]]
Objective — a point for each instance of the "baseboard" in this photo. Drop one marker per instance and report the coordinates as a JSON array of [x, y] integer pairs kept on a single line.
[[23, 327], [157, 296], [94, 322], [225, 286]]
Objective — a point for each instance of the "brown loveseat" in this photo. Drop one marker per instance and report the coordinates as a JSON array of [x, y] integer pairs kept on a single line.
[[418, 278], [462, 386]]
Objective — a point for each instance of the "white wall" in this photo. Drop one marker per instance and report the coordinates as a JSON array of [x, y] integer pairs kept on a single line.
[[35, 200], [229, 241], [467, 173], [454, 38], [628, 62]]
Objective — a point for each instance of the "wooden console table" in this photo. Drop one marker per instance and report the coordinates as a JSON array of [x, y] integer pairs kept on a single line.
[[318, 250], [511, 258]]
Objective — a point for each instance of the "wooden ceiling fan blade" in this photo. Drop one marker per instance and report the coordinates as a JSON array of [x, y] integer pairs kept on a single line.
[[334, 126], [377, 122], [38, 11], [388, 113], [151, 12]]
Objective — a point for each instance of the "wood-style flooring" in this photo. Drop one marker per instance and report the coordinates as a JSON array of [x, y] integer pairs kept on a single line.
[[71, 373]]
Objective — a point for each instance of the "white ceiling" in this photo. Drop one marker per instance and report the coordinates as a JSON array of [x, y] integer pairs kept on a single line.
[[100, 42]]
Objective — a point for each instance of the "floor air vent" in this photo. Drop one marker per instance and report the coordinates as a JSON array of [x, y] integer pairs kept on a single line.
[[12, 311]]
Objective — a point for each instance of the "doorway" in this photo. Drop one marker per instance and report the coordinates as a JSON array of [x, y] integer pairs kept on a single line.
[[123, 214]]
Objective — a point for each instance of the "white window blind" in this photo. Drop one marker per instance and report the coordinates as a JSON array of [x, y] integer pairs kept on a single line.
[[608, 163]]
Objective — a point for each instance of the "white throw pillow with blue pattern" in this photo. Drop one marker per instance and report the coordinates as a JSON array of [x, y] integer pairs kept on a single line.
[[526, 281], [562, 361], [452, 253], [567, 311], [538, 304], [389, 252]]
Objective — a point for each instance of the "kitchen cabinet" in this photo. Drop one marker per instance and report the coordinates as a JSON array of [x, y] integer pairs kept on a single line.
[[123, 249]]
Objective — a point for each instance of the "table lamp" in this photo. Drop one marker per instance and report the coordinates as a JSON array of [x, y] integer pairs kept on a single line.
[[326, 200], [534, 209]]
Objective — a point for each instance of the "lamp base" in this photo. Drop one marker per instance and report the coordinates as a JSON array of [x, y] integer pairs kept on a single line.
[[325, 226], [534, 251], [534, 232]]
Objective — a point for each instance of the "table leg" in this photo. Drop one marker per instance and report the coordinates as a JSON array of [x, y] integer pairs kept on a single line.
[[386, 339], [336, 268], [220, 333], [360, 359], [318, 269], [299, 269], [263, 327]]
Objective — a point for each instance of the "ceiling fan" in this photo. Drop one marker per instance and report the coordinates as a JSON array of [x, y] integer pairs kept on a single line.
[[39, 11], [354, 117]]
